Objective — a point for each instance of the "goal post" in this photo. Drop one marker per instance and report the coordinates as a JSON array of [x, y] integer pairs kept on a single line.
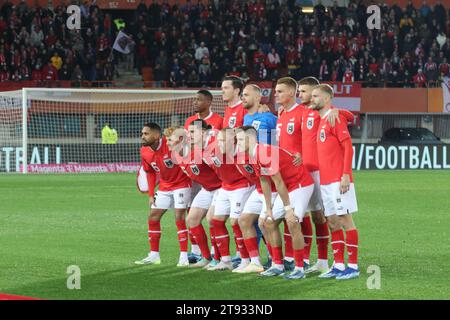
[[59, 130]]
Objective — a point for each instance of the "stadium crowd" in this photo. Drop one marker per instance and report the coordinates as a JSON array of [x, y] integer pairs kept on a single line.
[[195, 44]]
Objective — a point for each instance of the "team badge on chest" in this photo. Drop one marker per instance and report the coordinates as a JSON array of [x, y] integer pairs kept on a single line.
[[216, 161], [310, 123], [322, 135], [290, 127], [168, 163], [249, 169], [195, 170], [232, 122]]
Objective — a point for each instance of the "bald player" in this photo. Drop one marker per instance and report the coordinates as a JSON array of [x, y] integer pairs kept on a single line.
[[335, 153]]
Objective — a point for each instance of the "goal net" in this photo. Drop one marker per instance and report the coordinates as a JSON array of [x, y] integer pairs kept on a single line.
[[60, 130]]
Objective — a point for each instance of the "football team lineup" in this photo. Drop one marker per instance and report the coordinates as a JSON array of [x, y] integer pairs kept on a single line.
[[239, 174]]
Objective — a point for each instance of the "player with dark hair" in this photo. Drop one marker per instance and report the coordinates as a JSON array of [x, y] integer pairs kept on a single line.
[[174, 191], [202, 108], [234, 112]]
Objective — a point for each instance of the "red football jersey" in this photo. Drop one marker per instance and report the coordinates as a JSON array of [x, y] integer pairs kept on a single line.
[[289, 129], [213, 119], [331, 151], [234, 116], [248, 171], [310, 128], [225, 168], [271, 160], [160, 162], [198, 170]]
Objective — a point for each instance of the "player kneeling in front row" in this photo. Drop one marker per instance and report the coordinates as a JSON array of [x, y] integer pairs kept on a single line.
[[335, 152], [174, 192], [294, 186]]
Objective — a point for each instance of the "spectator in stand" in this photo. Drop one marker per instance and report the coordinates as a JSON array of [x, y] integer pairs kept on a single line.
[[419, 79], [49, 72], [407, 39], [77, 75], [56, 61], [37, 37], [348, 76], [273, 61], [444, 68], [64, 73], [4, 74], [431, 72], [201, 52]]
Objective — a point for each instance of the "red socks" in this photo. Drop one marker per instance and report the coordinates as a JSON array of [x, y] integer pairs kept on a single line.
[[202, 240], [269, 248], [222, 237], [212, 234], [277, 256], [298, 256], [307, 231], [240, 241], [154, 234], [192, 238], [288, 249], [252, 247], [338, 245], [322, 239], [352, 246], [183, 235]]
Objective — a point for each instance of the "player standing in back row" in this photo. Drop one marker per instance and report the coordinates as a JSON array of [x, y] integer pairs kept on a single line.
[[234, 111], [335, 153], [310, 128]]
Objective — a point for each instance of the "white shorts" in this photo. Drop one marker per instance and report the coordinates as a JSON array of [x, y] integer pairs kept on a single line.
[[336, 203], [231, 202], [256, 204], [315, 203], [299, 199], [203, 199], [178, 199]]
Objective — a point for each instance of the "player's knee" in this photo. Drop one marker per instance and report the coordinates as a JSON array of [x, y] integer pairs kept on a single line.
[[347, 222], [293, 226], [318, 217], [192, 220], [270, 225], [244, 222], [334, 224]]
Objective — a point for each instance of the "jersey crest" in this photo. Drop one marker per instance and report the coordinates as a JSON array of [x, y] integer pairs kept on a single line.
[[195, 170], [249, 169], [216, 161], [231, 122], [310, 123], [322, 135], [290, 127], [168, 163]]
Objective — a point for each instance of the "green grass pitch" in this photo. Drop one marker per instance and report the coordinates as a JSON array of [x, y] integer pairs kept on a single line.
[[98, 222]]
